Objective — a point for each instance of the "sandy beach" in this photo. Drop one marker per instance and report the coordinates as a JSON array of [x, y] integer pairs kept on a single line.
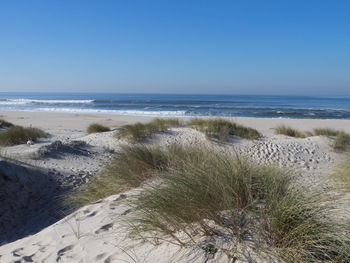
[[35, 227]]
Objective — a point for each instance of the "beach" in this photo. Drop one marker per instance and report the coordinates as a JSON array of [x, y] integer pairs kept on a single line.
[[58, 122], [34, 230]]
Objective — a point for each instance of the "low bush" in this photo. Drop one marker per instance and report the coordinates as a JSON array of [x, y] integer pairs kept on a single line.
[[94, 128], [17, 134], [222, 129]]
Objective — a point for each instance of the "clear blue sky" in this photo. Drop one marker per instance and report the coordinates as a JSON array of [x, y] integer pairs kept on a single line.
[[179, 46]]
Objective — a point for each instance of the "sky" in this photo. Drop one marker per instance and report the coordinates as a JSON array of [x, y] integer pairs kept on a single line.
[[178, 46]]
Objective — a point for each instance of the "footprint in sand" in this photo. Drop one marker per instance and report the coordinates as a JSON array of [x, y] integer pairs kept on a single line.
[[104, 228], [61, 252]]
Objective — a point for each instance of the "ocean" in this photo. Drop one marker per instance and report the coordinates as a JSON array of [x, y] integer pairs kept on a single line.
[[174, 105]]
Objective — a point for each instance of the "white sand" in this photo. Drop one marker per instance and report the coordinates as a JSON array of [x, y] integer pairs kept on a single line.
[[97, 232]]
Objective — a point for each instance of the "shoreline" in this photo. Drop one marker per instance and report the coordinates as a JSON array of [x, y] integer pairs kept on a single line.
[[57, 121]]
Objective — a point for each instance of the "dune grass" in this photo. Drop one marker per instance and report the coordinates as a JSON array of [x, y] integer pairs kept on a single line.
[[288, 131], [5, 124], [221, 129], [342, 172], [95, 128], [204, 192], [341, 141], [140, 131], [130, 168], [325, 132], [17, 134]]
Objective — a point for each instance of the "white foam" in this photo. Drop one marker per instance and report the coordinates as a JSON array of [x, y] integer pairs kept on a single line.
[[30, 101], [118, 112]]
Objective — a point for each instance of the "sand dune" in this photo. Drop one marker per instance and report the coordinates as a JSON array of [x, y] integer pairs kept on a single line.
[[34, 176]]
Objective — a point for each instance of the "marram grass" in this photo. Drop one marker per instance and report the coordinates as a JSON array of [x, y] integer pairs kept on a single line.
[[18, 134], [221, 129], [140, 131], [95, 128], [205, 191], [288, 131]]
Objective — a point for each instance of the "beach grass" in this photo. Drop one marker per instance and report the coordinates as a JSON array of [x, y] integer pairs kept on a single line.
[[18, 134], [95, 128], [303, 228], [288, 131], [221, 129], [342, 172], [325, 132], [131, 167], [5, 124], [341, 141], [205, 192], [200, 192], [140, 131]]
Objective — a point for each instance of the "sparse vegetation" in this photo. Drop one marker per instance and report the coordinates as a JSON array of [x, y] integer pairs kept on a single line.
[[205, 193], [132, 166], [5, 124], [341, 141], [288, 131], [202, 192], [342, 173], [95, 127], [139, 131], [222, 129], [17, 134], [325, 132]]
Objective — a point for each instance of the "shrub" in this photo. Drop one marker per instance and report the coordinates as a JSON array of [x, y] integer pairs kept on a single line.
[[94, 128], [341, 141], [289, 132], [222, 129], [17, 134], [140, 131]]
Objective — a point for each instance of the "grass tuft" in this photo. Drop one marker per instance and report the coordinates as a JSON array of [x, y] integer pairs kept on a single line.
[[130, 168], [288, 131], [325, 132], [342, 172], [303, 229], [205, 192], [139, 131], [94, 128], [341, 141], [5, 124], [17, 134], [222, 129]]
